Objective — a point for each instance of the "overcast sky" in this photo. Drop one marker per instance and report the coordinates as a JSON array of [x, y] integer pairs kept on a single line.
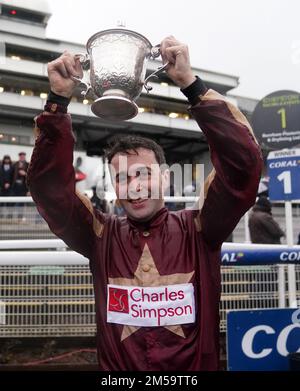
[[257, 40]]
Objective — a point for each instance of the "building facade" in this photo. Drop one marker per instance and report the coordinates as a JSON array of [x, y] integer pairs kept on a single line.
[[25, 51]]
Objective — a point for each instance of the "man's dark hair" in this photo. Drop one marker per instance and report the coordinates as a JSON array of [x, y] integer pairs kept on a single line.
[[124, 144]]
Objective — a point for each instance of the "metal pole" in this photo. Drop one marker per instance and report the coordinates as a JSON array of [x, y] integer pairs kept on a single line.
[[247, 232], [291, 268], [281, 286]]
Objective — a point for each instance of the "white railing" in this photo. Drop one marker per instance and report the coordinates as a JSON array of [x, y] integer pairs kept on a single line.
[[10, 200], [45, 289], [32, 244], [19, 218], [47, 293]]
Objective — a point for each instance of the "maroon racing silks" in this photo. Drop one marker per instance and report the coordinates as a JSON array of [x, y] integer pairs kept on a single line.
[[149, 273]]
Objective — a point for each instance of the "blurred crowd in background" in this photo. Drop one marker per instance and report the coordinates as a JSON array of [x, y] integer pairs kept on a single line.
[[13, 176]]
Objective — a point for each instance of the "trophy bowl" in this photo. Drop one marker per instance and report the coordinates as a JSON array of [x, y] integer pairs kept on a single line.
[[117, 60]]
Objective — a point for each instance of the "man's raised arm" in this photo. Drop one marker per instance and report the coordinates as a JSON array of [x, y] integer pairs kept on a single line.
[[231, 188], [51, 177]]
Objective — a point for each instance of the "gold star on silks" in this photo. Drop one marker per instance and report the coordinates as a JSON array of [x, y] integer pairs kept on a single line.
[[147, 279]]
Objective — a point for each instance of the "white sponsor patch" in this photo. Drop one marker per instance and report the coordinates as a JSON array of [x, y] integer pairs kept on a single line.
[[151, 306]]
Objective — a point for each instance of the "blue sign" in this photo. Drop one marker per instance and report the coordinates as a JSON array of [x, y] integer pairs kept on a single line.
[[260, 340], [234, 254], [284, 174]]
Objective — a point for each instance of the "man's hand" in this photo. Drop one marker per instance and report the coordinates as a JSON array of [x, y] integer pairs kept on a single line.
[[177, 54], [60, 73]]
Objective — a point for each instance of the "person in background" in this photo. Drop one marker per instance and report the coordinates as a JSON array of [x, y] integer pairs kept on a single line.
[[19, 188], [263, 187], [263, 228], [79, 175], [6, 180], [98, 199], [19, 177], [118, 209], [6, 176]]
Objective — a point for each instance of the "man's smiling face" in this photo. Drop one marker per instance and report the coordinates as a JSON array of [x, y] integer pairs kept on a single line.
[[139, 183]]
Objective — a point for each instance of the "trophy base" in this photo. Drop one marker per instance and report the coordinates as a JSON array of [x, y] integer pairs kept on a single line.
[[115, 108]]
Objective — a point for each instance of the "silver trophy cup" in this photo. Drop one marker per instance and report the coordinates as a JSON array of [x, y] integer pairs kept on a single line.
[[117, 60]]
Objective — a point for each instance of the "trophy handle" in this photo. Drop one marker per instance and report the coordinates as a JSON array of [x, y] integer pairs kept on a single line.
[[155, 51], [155, 73], [84, 59]]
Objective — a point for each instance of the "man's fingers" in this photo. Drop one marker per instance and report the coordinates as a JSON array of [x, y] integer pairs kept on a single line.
[[168, 54], [70, 63], [173, 52], [78, 68], [58, 66], [168, 41], [70, 67], [66, 65]]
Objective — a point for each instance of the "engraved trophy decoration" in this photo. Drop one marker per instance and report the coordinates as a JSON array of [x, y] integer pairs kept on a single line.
[[117, 59]]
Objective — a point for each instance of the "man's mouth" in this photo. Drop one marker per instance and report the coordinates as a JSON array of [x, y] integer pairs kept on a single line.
[[138, 201]]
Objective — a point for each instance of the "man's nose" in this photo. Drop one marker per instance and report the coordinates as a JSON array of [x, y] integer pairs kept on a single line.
[[136, 188], [135, 184]]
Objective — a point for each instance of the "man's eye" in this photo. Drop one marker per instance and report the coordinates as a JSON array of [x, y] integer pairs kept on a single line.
[[143, 173]]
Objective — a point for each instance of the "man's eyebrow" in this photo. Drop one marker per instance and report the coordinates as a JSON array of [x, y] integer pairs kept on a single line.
[[141, 168]]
